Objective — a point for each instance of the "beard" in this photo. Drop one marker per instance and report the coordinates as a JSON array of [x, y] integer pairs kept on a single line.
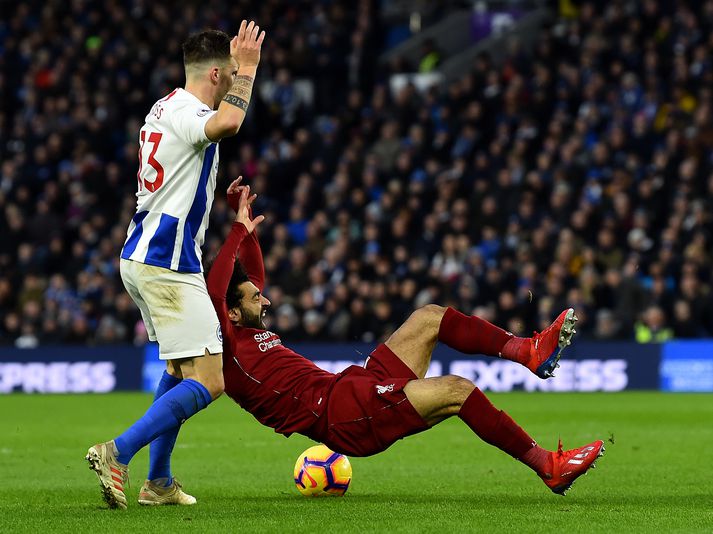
[[252, 320]]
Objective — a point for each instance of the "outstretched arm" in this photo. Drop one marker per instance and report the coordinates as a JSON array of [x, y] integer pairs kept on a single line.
[[245, 50], [249, 252], [220, 274], [222, 270]]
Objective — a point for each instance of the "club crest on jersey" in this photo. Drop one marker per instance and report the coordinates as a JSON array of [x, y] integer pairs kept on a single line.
[[383, 389], [219, 334], [202, 112]]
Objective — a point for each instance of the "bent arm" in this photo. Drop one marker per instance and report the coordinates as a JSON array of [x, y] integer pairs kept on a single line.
[[250, 256], [220, 274], [249, 253], [233, 108], [245, 51]]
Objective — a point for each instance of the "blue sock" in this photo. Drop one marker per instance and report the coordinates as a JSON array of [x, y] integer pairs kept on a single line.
[[162, 447], [167, 413]]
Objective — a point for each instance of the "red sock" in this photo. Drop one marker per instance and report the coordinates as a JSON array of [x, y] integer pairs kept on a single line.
[[539, 460], [517, 349], [497, 428], [471, 334]]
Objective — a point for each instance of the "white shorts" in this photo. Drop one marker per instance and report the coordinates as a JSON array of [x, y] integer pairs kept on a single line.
[[176, 309]]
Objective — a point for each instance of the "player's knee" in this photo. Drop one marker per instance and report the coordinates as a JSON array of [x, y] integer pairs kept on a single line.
[[213, 382], [432, 311], [429, 316], [458, 389], [216, 386]]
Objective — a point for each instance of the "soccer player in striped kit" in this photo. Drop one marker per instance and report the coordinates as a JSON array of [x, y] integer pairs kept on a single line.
[[161, 258]]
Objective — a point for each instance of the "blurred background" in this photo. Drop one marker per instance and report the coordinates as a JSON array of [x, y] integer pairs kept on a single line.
[[506, 158]]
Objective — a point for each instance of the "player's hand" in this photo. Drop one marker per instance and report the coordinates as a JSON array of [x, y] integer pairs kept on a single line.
[[243, 215], [234, 190], [245, 47]]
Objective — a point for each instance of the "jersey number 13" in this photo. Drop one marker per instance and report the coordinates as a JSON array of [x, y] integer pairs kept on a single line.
[[154, 139]]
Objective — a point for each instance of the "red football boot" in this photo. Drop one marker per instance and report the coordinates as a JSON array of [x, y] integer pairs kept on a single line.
[[567, 466], [541, 352]]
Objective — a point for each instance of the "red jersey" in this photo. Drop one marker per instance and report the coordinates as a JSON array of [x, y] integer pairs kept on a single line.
[[279, 387]]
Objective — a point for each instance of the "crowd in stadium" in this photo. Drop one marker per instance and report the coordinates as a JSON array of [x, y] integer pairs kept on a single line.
[[582, 178]]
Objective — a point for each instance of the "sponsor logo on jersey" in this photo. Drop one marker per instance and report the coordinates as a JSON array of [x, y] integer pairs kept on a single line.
[[262, 336], [267, 345], [262, 339], [202, 112]]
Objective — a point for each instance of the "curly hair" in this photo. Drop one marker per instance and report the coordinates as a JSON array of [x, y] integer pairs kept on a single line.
[[235, 295]]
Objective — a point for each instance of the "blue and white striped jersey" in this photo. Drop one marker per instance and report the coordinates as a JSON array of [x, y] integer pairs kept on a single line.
[[178, 165]]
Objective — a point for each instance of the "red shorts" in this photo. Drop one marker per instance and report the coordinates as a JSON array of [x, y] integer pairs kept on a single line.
[[367, 409]]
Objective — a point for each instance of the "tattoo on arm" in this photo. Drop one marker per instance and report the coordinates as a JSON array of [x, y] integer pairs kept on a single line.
[[236, 101], [244, 83], [239, 94]]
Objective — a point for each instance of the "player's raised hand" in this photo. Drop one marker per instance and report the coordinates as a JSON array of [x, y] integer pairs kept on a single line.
[[234, 188], [245, 47], [244, 213], [234, 193]]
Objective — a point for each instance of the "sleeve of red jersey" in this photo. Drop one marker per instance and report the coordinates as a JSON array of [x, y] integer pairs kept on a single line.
[[221, 272], [250, 256], [250, 253]]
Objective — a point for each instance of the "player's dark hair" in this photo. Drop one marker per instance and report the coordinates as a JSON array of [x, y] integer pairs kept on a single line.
[[234, 295], [206, 46]]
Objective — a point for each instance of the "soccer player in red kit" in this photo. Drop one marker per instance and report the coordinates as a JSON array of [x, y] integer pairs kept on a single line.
[[363, 410]]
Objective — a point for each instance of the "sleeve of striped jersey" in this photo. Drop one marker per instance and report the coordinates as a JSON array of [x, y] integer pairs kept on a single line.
[[221, 272], [250, 256], [189, 121]]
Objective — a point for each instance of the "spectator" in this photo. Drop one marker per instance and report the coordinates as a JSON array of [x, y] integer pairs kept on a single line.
[[574, 174], [606, 328], [430, 57], [652, 326], [684, 324]]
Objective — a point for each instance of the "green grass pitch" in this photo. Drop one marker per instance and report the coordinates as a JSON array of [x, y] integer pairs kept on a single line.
[[656, 476]]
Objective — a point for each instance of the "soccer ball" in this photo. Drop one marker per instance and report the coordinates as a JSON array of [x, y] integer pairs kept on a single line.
[[320, 471]]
